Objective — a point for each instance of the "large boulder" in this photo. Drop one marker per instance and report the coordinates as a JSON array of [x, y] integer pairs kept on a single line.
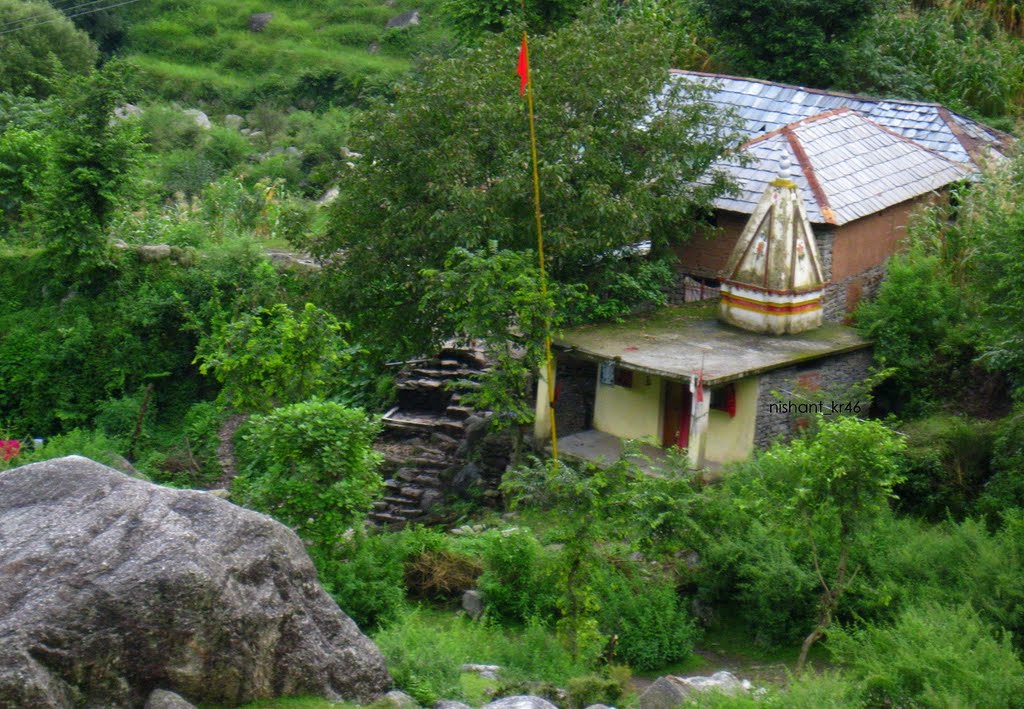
[[111, 587]]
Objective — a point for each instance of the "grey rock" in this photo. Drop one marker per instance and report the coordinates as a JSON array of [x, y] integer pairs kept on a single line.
[[329, 196], [665, 693], [245, 131], [724, 682], [450, 704], [201, 119], [292, 151], [149, 253], [466, 478], [398, 700], [599, 706], [112, 586], [162, 699], [374, 48], [126, 111], [259, 21], [524, 701], [473, 603], [485, 671], [233, 121], [431, 499], [406, 19]]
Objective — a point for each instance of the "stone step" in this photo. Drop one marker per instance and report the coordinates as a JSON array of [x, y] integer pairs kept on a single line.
[[387, 518], [459, 413], [444, 374], [400, 501]]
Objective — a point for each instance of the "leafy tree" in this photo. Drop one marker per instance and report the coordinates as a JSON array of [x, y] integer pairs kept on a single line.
[[471, 17], [92, 169], [798, 41], [830, 490], [312, 465], [447, 165], [39, 48], [916, 324], [274, 356]]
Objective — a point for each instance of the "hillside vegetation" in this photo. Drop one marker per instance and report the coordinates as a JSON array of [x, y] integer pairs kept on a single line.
[[149, 173]]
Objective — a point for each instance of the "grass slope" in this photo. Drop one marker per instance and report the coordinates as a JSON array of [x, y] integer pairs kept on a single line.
[[311, 54]]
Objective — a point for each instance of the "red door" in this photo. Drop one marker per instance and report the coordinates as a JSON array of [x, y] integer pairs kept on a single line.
[[676, 415]]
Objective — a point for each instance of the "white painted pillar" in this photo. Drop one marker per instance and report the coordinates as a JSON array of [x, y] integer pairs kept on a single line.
[[699, 414], [542, 412]]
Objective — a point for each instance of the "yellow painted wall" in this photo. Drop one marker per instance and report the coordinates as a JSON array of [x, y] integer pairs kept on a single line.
[[633, 412], [732, 439]]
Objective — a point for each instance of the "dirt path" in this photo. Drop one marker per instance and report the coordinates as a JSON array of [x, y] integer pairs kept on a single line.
[[226, 449]]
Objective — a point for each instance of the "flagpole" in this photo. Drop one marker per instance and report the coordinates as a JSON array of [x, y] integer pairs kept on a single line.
[[549, 366]]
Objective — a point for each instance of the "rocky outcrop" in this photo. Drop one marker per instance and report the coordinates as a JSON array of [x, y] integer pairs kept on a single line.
[[520, 702], [259, 21], [111, 587], [406, 19], [670, 692]]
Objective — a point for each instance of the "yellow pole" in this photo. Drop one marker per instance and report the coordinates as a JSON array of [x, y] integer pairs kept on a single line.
[[540, 255]]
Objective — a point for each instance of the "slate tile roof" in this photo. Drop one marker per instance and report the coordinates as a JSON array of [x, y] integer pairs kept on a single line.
[[845, 166], [764, 106]]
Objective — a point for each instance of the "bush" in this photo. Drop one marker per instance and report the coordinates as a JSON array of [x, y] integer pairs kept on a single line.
[[652, 625], [365, 575], [948, 463], [519, 580], [424, 662], [312, 465], [913, 322], [94, 445], [932, 656], [949, 564], [595, 689], [43, 52], [1005, 489]]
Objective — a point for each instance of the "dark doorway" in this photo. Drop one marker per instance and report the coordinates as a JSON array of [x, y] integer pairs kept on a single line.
[[676, 415], [575, 384]]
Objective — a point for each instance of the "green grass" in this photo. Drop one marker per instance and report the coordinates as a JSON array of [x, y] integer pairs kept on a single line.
[[206, 54]]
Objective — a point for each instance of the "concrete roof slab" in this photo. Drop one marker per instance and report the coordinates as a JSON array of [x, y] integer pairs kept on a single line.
[[677, 341]]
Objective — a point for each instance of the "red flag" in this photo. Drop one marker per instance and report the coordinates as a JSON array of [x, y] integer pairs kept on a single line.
[[524, 67], [700, 385]]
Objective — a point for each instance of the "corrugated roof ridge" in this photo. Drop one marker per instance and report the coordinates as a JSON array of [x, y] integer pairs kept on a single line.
[[827, 92], [808, 169]]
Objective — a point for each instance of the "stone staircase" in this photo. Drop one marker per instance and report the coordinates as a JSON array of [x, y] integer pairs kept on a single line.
[[427, 434]]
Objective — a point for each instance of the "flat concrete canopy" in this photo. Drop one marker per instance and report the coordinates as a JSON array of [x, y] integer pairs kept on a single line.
[[677, 341]]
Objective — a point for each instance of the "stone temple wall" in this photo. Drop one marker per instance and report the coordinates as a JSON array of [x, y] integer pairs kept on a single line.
[[823, 382]]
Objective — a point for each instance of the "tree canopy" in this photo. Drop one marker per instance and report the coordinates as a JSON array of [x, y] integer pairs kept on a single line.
[[799, 41], [447, 165], [39, 46]]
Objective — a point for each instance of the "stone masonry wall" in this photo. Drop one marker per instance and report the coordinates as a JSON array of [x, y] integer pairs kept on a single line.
[[829, 375]]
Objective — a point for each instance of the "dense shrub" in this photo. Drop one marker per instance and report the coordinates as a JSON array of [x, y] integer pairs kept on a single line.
[[91, 444], [365, 575], [948, 564], [932, 656], [955, 58], [1005, 489], [948, 464], [519, 580], [648, 619], [312, 465], [45, 49], [914, 324]]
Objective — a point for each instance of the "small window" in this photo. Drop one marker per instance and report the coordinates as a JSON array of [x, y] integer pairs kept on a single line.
[[623, 377], [723, 398]]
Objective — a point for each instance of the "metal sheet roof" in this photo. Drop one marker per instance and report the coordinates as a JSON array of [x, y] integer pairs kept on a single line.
[[845, 166], [764, 106]]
